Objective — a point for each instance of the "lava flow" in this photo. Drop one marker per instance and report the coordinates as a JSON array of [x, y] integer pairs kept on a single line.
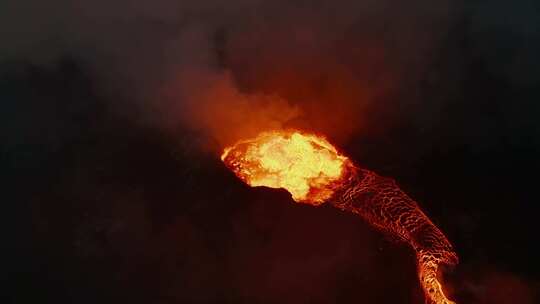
[[314, 172]]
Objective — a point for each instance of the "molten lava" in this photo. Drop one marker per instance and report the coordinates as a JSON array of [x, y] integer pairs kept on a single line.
[[306, 165], [314, 172]]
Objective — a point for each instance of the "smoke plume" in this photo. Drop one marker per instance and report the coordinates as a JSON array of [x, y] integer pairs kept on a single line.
[[230, 68]]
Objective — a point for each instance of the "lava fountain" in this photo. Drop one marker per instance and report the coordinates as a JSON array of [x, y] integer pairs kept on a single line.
[[314, 172]]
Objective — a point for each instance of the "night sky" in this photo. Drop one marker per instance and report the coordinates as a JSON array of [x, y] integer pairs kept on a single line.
[[114, 113]]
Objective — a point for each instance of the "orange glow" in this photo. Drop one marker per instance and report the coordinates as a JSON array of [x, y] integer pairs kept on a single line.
[[306, 165], [427, 270], [313, 171]]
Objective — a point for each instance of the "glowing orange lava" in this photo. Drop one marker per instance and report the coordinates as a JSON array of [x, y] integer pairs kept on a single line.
[[306, 165], [314, 172]]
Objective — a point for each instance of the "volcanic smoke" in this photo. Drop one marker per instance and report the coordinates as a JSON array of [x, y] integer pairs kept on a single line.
[[314, 172]]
